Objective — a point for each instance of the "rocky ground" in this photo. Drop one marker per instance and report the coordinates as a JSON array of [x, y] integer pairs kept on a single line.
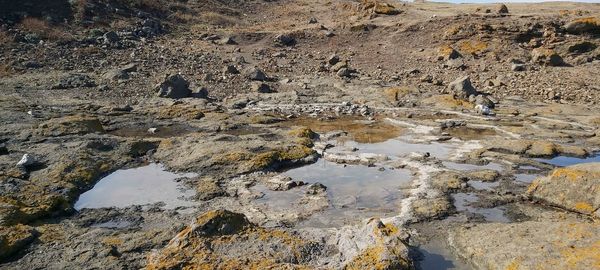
[[240, 92]]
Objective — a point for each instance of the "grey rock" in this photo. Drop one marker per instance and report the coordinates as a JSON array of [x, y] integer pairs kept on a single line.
[[230, 69], [285, 40], [517, 67], [344, 72], [201, 92], [333, 59], [312, 20], [111, 37], [226, 41], [173, 86], [256, 74], [462, 87], [260, 87], [485, 101], [338, 66]]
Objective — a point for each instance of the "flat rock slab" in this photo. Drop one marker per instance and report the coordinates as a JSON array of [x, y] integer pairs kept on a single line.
[[575, 188], [529, 245]]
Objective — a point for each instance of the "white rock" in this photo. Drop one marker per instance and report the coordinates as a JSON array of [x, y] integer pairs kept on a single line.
[[26, 160]]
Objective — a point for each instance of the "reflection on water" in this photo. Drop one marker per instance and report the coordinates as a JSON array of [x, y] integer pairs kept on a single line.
[[354, 189], [563, 161], [138, 186], [463, 201]]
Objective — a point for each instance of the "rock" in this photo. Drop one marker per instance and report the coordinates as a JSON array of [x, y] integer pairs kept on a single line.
[[447, 53], [502, 9], [217, 227], [575, 188], [385, 8], [173, 86], [483, 110], [226, 41], [201, 92], [285, 40], [208, 189], [3, 150], [484, 101], [518, 67], [333, 59], [32, 64], [256, 74], [70, 125], [528, 245], [75, 80], [583, 25], [462, 88], [152, 130], [315, 189], [260, 87], [230, 69], [582, 47], [26, 161], [312, 20], [120, 73], [344, 72], [283, 183], [111, 37], [546, 57], [15, 238], [338, 66]]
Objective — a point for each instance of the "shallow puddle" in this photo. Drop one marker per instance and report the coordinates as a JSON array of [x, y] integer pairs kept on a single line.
[[526, 178], [138, 186], [359, 129], [480, 185], [463, 201], [279, 200], [471, 167], [563, 161], [437, 257], [354, 191]]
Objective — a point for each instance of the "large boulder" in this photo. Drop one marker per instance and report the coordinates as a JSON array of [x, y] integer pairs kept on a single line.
[[529, 245], [462, 88], [576, 188], [174, 86], [583, 25]]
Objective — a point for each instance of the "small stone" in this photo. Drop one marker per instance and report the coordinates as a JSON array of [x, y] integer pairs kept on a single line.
[[111, 37], [152, 130], [26, 161], [226, 41], [260, 87], [517, 67], [502, 9], [312, 20], [201, 92], [173, 86], [333, 59], [344, 72], [285, 40], [230, 69], [3, 150], [256, 74]]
